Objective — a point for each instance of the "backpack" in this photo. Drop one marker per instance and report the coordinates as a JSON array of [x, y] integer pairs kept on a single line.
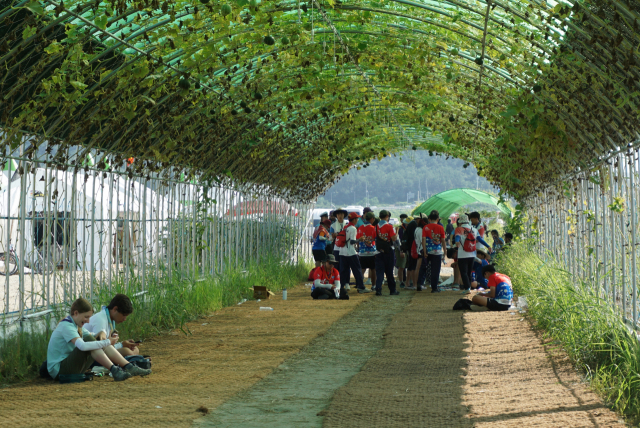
[[462, 305], [341, 237], [382, 245], [469, 244]]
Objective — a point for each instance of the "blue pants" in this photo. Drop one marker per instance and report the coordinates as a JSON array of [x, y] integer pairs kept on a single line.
[[384, 266], [347, 265]]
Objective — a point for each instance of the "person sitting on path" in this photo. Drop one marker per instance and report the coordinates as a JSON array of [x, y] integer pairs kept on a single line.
[[72, 349], [367, 246], [327, 281], [479, 282], [320, 237], [103, 324], [349, 262], [500, 293], [386, 241]]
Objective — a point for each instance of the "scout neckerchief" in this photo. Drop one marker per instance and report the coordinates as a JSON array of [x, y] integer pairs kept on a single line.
[[112, 324]]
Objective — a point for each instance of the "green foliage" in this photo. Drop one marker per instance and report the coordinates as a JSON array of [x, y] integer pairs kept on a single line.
[[588, 327], [168, 303]]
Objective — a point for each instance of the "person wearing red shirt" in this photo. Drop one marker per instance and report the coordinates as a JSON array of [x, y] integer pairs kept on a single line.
[[385, 242], [367, 249], [500, 295], [433, 240], [326, 280]]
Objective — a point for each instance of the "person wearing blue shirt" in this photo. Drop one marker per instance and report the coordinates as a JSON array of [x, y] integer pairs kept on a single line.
[[479, 282]]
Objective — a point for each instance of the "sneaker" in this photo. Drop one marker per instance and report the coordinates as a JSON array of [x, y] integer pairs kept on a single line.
[[119, 374], [347, 287], [134, 370], [394, 293], [410, 287], [402, 285], [435, 291], [378, 293], [467, 291], [367, 282], [419, 288], [364, 290]]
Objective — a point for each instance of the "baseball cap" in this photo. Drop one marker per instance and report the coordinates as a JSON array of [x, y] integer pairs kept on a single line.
[[354, 215], [384, 213], [366, 210]]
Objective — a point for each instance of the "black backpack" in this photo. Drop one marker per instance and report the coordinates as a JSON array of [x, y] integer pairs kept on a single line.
[[409, 236], [462, 305]]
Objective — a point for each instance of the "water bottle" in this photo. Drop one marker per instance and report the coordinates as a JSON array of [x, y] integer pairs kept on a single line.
[[265, 308], [284, 294]]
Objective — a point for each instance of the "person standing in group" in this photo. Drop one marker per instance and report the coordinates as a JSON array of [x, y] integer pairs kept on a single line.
[[320, 237], [449, 231], [433, 241], [417, 251], [466, 237], [386, 241], [336, 227], [407, 247], [367, 246], [474, 219], [401, 259], [362, 222], [349, 262]]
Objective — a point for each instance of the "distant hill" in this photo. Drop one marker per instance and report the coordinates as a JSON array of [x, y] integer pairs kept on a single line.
[[389, 180]]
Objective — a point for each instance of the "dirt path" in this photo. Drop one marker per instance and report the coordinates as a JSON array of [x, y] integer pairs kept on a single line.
[[515, 381], [441, 368], [227, 353], [295, 394]]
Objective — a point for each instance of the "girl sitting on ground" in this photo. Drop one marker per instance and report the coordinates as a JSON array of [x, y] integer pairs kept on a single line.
[[72, 348]]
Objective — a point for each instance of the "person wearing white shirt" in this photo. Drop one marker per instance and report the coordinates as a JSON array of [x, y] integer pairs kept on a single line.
[[103, 323], [349, 261]]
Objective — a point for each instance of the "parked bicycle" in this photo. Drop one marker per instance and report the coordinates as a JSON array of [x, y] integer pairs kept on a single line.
[[9, 262]]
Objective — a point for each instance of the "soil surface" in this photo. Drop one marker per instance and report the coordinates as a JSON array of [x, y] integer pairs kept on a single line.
[[226, 353], [403, 361]]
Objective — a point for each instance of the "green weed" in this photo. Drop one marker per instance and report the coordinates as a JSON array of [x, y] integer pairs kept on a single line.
[[167, 303], [589, 328]]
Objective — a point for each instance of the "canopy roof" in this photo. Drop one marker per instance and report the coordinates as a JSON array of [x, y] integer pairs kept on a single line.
[[289, 94], [448, 202]]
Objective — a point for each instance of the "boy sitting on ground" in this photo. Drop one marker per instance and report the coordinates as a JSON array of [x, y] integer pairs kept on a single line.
[[500, 292], [480, 261], [327, 281], [103, 323]]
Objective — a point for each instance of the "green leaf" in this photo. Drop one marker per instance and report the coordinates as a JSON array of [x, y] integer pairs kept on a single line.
[[101, 22], [35, 7], [28, 32], [78, 85]]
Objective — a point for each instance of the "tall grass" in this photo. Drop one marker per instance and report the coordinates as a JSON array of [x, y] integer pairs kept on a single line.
[[167, 303], [589, 328]]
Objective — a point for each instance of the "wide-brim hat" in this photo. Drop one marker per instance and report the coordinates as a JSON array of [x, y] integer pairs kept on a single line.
[[421, 216], [340, 210], [463, 219], [330, 258]]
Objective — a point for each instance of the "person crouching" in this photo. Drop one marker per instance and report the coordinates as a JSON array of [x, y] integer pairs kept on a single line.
[[326, 281]]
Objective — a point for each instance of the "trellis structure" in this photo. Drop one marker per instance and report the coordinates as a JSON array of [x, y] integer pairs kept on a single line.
[[290, 94]]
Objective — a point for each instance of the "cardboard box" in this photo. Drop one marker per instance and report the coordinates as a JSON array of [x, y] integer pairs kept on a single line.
[[260, 292]]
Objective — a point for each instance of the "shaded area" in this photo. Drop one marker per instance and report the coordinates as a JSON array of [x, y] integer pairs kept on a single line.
[[416, 380], [225, 353], [295, 394], [513, 380]]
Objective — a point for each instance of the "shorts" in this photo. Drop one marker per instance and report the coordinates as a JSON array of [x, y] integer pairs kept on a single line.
[[368, 262], [492, 305], [77, 361], [411, 263], [401, 262], [319, 255]]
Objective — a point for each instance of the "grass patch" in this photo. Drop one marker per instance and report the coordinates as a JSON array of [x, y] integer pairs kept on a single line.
[[168, 303], [589, 328]]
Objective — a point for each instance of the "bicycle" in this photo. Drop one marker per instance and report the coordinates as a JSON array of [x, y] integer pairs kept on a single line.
[[41, 264], [10, 262]]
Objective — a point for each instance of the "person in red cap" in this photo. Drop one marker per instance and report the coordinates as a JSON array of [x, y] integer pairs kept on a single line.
[[349, 261]]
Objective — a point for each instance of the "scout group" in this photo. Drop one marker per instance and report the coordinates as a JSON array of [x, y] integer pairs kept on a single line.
[[347, 244]]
